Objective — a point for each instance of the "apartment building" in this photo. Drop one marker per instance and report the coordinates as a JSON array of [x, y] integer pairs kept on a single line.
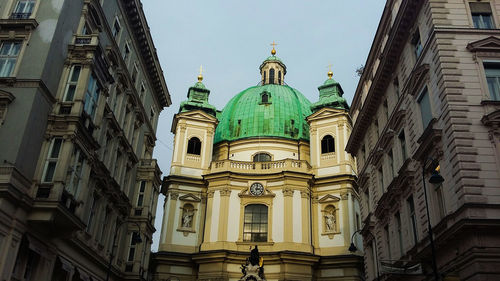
[[428, 102], [81, 89]]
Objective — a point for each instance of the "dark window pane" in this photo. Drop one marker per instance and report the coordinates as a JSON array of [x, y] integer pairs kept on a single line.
[[327, 144]]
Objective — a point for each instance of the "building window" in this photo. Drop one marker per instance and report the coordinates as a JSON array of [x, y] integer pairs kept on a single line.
[[417, 44], [135, 73], [93, 206], [388, 241], [412, 218], [262, 157], [134, 238], [75, 171], [140, 197], [142, 91], [481, 15], [265, 98], [70, 90], [327, 144], [381, 180], [23, 9], [91, 97], [425, 107], [279, 77], [86, 30], [126, 53], [264, 78], [391, 164], [400, 232], [9, 50], [493, 79], [396, 88], [271, 76], [255, 223], [402, 143], [375, 125], [440, 201], [51, 162], [194, 146], [116, 28]]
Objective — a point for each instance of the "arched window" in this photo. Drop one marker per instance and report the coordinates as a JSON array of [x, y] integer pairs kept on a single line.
[[261, 157], [279, 77], [271, 76], [327, 144], [265, 98], [264, 78], [255, 223], [194, 146]]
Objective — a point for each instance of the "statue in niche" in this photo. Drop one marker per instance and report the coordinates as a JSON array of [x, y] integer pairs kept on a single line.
[[187, 217], [330, 220]]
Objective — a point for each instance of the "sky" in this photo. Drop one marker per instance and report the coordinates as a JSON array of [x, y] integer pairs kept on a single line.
[[230, 39]]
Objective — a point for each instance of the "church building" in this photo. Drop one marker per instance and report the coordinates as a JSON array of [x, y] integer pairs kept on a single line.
[[269, 170]]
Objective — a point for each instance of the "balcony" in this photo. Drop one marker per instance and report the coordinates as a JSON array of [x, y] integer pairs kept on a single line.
[[55, 208], [300, 166]]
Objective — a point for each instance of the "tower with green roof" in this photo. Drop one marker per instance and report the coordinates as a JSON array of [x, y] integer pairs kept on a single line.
[[270, 170]]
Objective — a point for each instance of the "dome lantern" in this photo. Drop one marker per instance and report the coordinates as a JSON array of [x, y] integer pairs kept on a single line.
[[272, 70]]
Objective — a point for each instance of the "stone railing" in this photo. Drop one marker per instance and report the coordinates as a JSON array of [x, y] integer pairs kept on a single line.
[[260, 167]]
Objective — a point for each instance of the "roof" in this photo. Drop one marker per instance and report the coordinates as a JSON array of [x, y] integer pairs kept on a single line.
[[247, 116]]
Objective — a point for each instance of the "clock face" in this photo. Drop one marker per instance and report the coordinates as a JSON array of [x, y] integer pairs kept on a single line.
[[256, 189]]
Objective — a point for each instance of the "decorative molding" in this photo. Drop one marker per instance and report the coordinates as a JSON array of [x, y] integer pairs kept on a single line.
[[287, 191], [174, 195], [416, 79], [304, 193], [328, 199], [486, 45], [225, 191], [189, 198]]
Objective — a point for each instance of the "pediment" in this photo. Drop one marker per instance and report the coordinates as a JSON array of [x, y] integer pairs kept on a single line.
[[6, 96], [329, 199], [326, 112], [198, 115], [416, 79], [492, 119], [489, 44], [190, 197]]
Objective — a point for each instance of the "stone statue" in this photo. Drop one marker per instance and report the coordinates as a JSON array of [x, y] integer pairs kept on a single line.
[[253, 270], [187, 219], [330, 221]]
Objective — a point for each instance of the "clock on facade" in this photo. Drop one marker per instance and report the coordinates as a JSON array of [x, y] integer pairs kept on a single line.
[[256, 189]]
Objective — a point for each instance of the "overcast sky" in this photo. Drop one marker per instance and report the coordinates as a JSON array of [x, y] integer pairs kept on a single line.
[[232, 38]]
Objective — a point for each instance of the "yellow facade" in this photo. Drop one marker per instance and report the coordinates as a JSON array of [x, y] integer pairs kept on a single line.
[[309, 197]]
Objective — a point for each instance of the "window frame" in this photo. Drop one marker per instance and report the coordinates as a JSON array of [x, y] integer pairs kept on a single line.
[[262, 153], [412, 218], [484, 64], [192, 147], [9, 56], [25, 15], [93, 94], [327, 144], [71, 83], [470, 14], [424, 91], [49, 159], [116, 35], [259, 223]]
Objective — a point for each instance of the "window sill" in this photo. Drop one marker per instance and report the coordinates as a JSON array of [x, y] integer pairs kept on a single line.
[[250, 243], [490, 102], [28, 24]]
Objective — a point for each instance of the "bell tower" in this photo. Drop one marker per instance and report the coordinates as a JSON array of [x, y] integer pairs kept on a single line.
[[185, 201], [335, 206]]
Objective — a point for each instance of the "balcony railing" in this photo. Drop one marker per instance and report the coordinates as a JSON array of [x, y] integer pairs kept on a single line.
[[18, 16], [261, 167]]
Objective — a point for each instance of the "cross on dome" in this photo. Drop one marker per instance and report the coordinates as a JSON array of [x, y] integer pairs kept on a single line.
[[273, 51]]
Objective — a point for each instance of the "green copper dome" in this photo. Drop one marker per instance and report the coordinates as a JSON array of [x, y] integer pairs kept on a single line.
[[249, 115]]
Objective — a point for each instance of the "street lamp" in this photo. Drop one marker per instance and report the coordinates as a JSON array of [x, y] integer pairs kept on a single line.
[[136, 239], [435, 178], [353, 249]]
